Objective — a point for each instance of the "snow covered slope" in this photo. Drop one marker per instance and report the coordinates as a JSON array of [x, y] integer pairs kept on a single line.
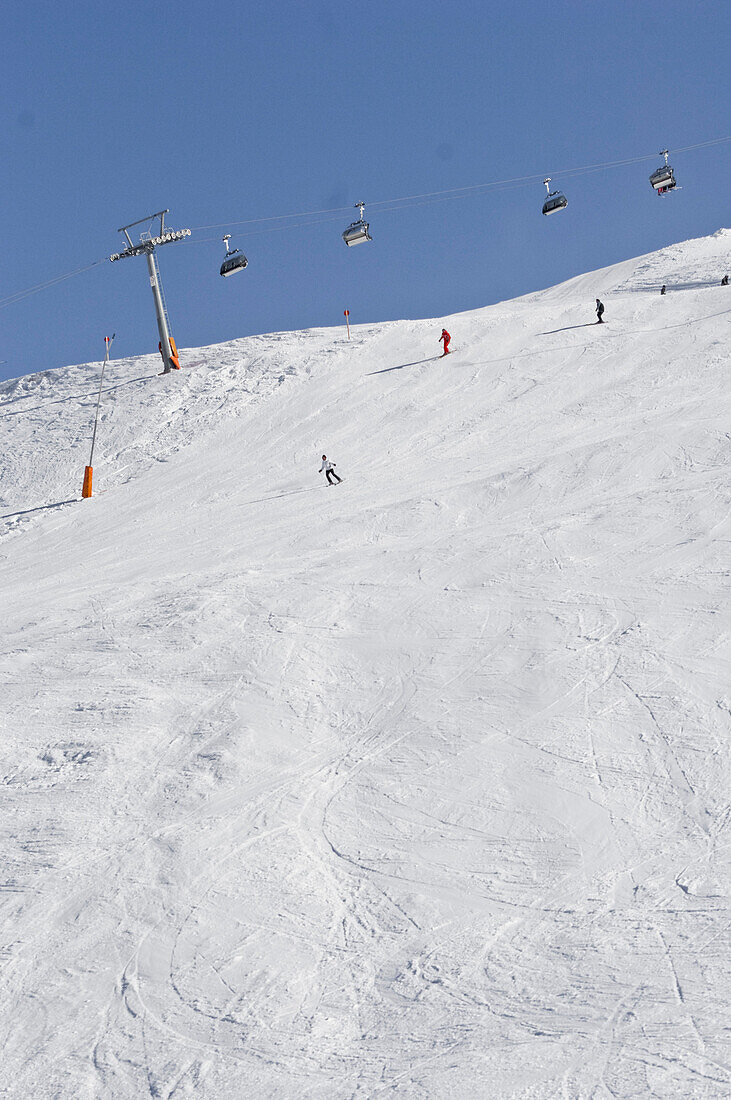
[[415, 786]]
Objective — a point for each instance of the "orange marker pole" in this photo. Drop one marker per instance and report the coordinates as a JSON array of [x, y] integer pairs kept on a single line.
[[89, 470], [346, 315]]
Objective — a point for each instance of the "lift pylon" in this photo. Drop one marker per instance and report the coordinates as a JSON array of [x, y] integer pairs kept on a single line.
[[146, 246]]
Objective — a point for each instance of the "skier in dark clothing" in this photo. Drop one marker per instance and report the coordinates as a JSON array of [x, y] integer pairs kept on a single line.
[[724, 281], [329, 468], [446, 338], [599, 311], [662, 289]]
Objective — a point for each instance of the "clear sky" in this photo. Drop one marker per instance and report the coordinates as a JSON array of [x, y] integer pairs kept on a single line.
[[227, 111]]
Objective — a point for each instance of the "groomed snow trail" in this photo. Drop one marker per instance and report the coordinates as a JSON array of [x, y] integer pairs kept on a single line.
[[415, 786]]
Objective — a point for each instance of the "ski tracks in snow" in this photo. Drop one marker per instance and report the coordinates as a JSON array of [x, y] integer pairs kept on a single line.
[[414, 789]]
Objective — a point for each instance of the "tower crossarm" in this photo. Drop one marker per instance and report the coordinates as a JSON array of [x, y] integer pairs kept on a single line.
[[149, 245]]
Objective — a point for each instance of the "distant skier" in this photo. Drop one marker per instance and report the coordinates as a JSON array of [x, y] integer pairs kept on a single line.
[[599, 312], [724, 281], [329, 468], [662, 289], [446, 338]]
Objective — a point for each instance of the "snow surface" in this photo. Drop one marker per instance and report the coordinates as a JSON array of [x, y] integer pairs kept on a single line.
[[415, 786]]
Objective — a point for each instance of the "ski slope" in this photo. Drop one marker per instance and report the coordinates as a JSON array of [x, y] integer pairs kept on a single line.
[[416, 786]]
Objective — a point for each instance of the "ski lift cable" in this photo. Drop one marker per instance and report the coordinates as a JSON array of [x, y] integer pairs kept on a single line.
[[19, 295], [272, 229], [385, 206], [520, 180], [392, 206], [458, 191], [586, 168], [426, 200]]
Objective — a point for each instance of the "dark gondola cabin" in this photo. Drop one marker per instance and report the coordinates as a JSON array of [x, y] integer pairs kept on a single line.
[[234, 260], [663, 179], [555, 200]]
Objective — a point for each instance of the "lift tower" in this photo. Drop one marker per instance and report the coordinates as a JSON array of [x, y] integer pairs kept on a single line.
[[147, 246]]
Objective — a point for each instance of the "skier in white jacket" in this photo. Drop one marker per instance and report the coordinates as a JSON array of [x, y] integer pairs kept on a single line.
[[329, 468]]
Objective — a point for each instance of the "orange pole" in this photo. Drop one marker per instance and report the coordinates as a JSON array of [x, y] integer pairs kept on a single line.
[[88, 470], [346, 314]]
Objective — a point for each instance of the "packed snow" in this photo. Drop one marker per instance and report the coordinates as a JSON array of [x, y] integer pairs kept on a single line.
[[413, 786]]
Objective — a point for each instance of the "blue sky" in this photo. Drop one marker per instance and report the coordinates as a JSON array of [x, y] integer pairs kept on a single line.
[[227, 111]]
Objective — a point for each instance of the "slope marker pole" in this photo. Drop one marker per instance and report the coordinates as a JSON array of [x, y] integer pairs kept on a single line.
[[89, 470]]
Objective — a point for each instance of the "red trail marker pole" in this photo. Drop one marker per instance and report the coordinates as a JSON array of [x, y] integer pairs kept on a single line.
[[346, 315]]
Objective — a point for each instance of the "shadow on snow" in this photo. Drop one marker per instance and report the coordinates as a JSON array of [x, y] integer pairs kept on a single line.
[[40, 508], [401, 366]]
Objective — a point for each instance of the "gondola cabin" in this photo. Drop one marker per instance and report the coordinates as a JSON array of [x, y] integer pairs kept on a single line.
[[663, 179], [554, 203], [555, 200], [234, 260], [357, 232]]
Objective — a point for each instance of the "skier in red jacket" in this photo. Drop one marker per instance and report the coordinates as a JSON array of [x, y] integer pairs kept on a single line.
[[446, 338]]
